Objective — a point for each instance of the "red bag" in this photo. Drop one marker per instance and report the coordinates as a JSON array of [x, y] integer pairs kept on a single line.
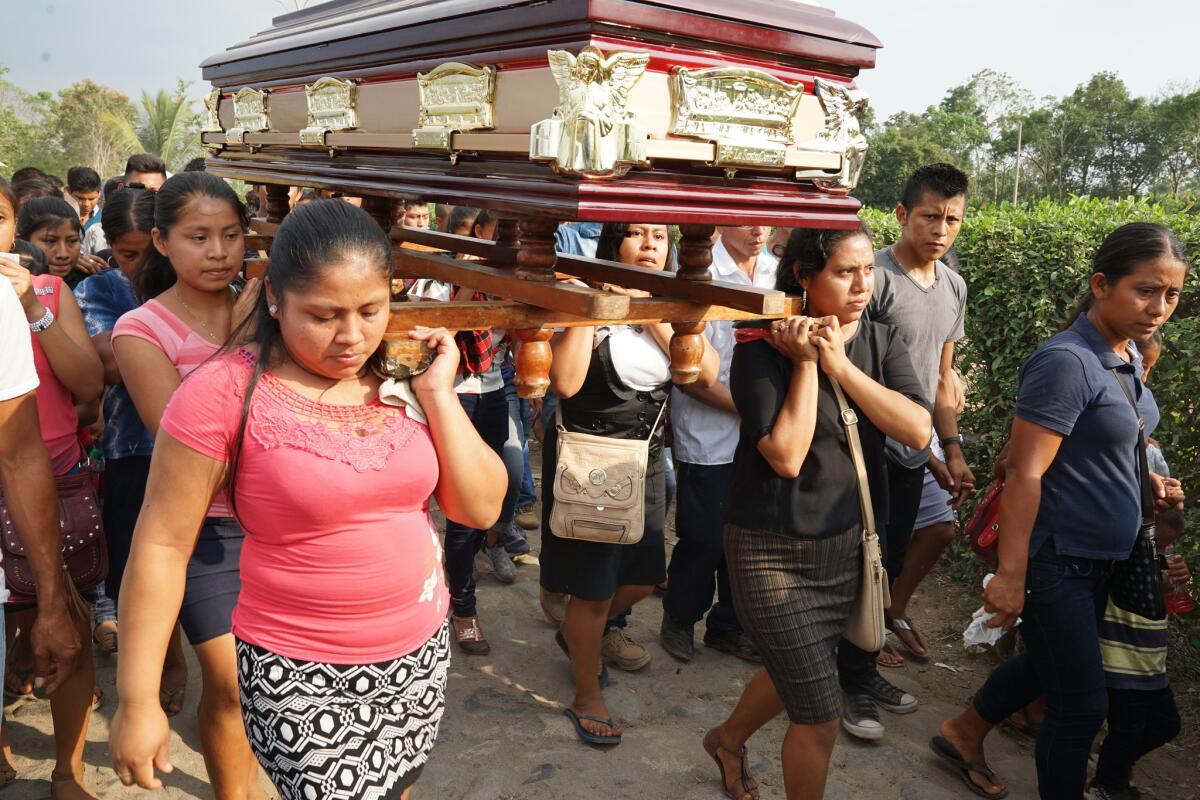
[[983, 529]]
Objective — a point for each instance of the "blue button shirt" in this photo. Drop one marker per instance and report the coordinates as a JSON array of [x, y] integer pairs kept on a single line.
[[103, 298], [1091, 495]]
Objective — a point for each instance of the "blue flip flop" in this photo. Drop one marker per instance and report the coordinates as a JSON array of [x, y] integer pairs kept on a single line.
[[586, 735]]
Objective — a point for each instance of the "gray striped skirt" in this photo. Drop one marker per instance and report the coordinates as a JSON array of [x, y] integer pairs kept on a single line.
[[793, 597]]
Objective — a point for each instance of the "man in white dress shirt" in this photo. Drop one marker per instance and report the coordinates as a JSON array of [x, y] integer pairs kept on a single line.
[[706, 435]]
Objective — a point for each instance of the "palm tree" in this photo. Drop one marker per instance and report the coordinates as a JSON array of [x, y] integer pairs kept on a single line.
[[166, 127]]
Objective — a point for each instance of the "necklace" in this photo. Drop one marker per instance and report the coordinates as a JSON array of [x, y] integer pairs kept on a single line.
[[211, 333]]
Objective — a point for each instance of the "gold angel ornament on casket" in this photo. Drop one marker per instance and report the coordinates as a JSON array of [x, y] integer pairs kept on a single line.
[[844, 106], [591, 134]]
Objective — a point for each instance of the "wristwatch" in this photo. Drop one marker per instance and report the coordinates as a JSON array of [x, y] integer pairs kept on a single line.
[[955, 439], [45, 322]]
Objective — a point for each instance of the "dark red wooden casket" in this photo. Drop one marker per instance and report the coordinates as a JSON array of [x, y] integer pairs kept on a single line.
[[382, 46], [695, 113]]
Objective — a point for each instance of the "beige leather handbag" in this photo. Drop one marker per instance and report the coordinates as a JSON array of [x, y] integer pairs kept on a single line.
[[600, 486], [865, 627]]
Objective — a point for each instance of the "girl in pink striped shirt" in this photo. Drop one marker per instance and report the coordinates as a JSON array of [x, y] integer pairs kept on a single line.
[[188, 311]]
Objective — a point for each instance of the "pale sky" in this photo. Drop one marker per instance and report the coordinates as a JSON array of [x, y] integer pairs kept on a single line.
[[1049, 46]]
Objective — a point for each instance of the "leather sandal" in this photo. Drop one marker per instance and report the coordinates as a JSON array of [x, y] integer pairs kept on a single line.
[[470, 636], [746, 783], [903, 628]]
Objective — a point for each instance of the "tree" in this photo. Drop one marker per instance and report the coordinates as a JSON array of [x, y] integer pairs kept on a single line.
[[81, 122], [22, 130], [1177, 120], [952, 132], [165, 126]]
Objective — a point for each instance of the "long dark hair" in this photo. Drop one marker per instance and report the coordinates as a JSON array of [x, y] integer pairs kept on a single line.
[[154, 272], [808, 250], [127, 211], [311, 239], [608, 246], [1123, 250]]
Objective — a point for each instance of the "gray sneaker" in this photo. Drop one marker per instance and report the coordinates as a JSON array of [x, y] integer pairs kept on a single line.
[[860, 717], [500, 562], [889, 696]]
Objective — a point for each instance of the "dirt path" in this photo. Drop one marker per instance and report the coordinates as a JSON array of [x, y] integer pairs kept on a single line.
[[504, 736]]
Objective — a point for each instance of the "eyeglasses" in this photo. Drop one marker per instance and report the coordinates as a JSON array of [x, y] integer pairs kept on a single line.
[[137, 185]]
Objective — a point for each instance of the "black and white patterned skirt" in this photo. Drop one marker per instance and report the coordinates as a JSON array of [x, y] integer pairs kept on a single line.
[[336, 732]]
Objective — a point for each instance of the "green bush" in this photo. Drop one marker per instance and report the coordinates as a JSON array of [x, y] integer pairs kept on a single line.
[[1026, 266]]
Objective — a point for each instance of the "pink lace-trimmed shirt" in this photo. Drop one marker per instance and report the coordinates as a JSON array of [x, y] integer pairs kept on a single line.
[[341, 563]]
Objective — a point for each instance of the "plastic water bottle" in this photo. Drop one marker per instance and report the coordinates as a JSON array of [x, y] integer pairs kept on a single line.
[[1178, 599]]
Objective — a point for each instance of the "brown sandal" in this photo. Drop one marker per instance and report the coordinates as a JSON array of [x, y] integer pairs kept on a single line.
[[749, 786]]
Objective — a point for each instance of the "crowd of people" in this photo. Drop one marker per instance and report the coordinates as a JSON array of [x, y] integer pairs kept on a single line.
[[169, 405]]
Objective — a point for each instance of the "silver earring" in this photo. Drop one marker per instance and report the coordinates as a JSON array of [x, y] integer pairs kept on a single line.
[[274, 309], [804, 300]]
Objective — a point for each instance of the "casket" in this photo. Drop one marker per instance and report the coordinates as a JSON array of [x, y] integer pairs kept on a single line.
[[741, 111], [688, 112]]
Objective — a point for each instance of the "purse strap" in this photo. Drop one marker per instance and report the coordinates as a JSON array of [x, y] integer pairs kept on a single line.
[[850, 420], [558, 423], [1143, 461]]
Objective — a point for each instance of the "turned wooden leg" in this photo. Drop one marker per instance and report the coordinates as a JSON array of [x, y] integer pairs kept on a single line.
[[533, 362], [687, 348], [508, 232], [536, 258], [695, 251], [277, 202], [382, 210]]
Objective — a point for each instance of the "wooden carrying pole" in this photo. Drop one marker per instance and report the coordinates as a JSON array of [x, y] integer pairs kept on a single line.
[[521, 270]]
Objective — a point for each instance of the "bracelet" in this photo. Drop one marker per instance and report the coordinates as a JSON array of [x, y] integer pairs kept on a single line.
[[45, 322], [955, 439]]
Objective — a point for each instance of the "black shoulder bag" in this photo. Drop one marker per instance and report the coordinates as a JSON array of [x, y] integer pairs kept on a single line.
[[1136, 584]]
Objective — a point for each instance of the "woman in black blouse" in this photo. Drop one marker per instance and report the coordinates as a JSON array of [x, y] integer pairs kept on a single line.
[[794, 526]]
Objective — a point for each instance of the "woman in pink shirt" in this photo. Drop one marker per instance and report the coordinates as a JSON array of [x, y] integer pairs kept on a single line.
[[69, 372], [188, 311], [341, 622]]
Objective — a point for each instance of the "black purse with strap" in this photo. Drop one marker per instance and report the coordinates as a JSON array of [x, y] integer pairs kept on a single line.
[[1136, 584]]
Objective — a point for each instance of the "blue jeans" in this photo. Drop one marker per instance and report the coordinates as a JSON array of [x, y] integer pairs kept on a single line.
[[1064, 602], [520, 426], [488, 412], [105, 609]]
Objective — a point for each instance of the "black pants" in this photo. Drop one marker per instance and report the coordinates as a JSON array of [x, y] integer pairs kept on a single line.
[[124, 491], [905, 485], [1138, 721], [697, 567], [488, 412]]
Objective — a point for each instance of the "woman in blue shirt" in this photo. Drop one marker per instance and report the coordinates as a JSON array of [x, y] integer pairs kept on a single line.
[[1071, 507]]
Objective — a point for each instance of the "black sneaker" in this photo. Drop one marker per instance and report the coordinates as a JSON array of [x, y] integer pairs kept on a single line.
[[890, 696], [860, 717], [734, 643], [678, 639]]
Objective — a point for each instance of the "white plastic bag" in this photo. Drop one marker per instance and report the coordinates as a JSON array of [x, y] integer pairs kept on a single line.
[[978, 634]]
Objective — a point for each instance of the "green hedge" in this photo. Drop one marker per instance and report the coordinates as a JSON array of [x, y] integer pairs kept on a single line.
[[1025, 267]]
